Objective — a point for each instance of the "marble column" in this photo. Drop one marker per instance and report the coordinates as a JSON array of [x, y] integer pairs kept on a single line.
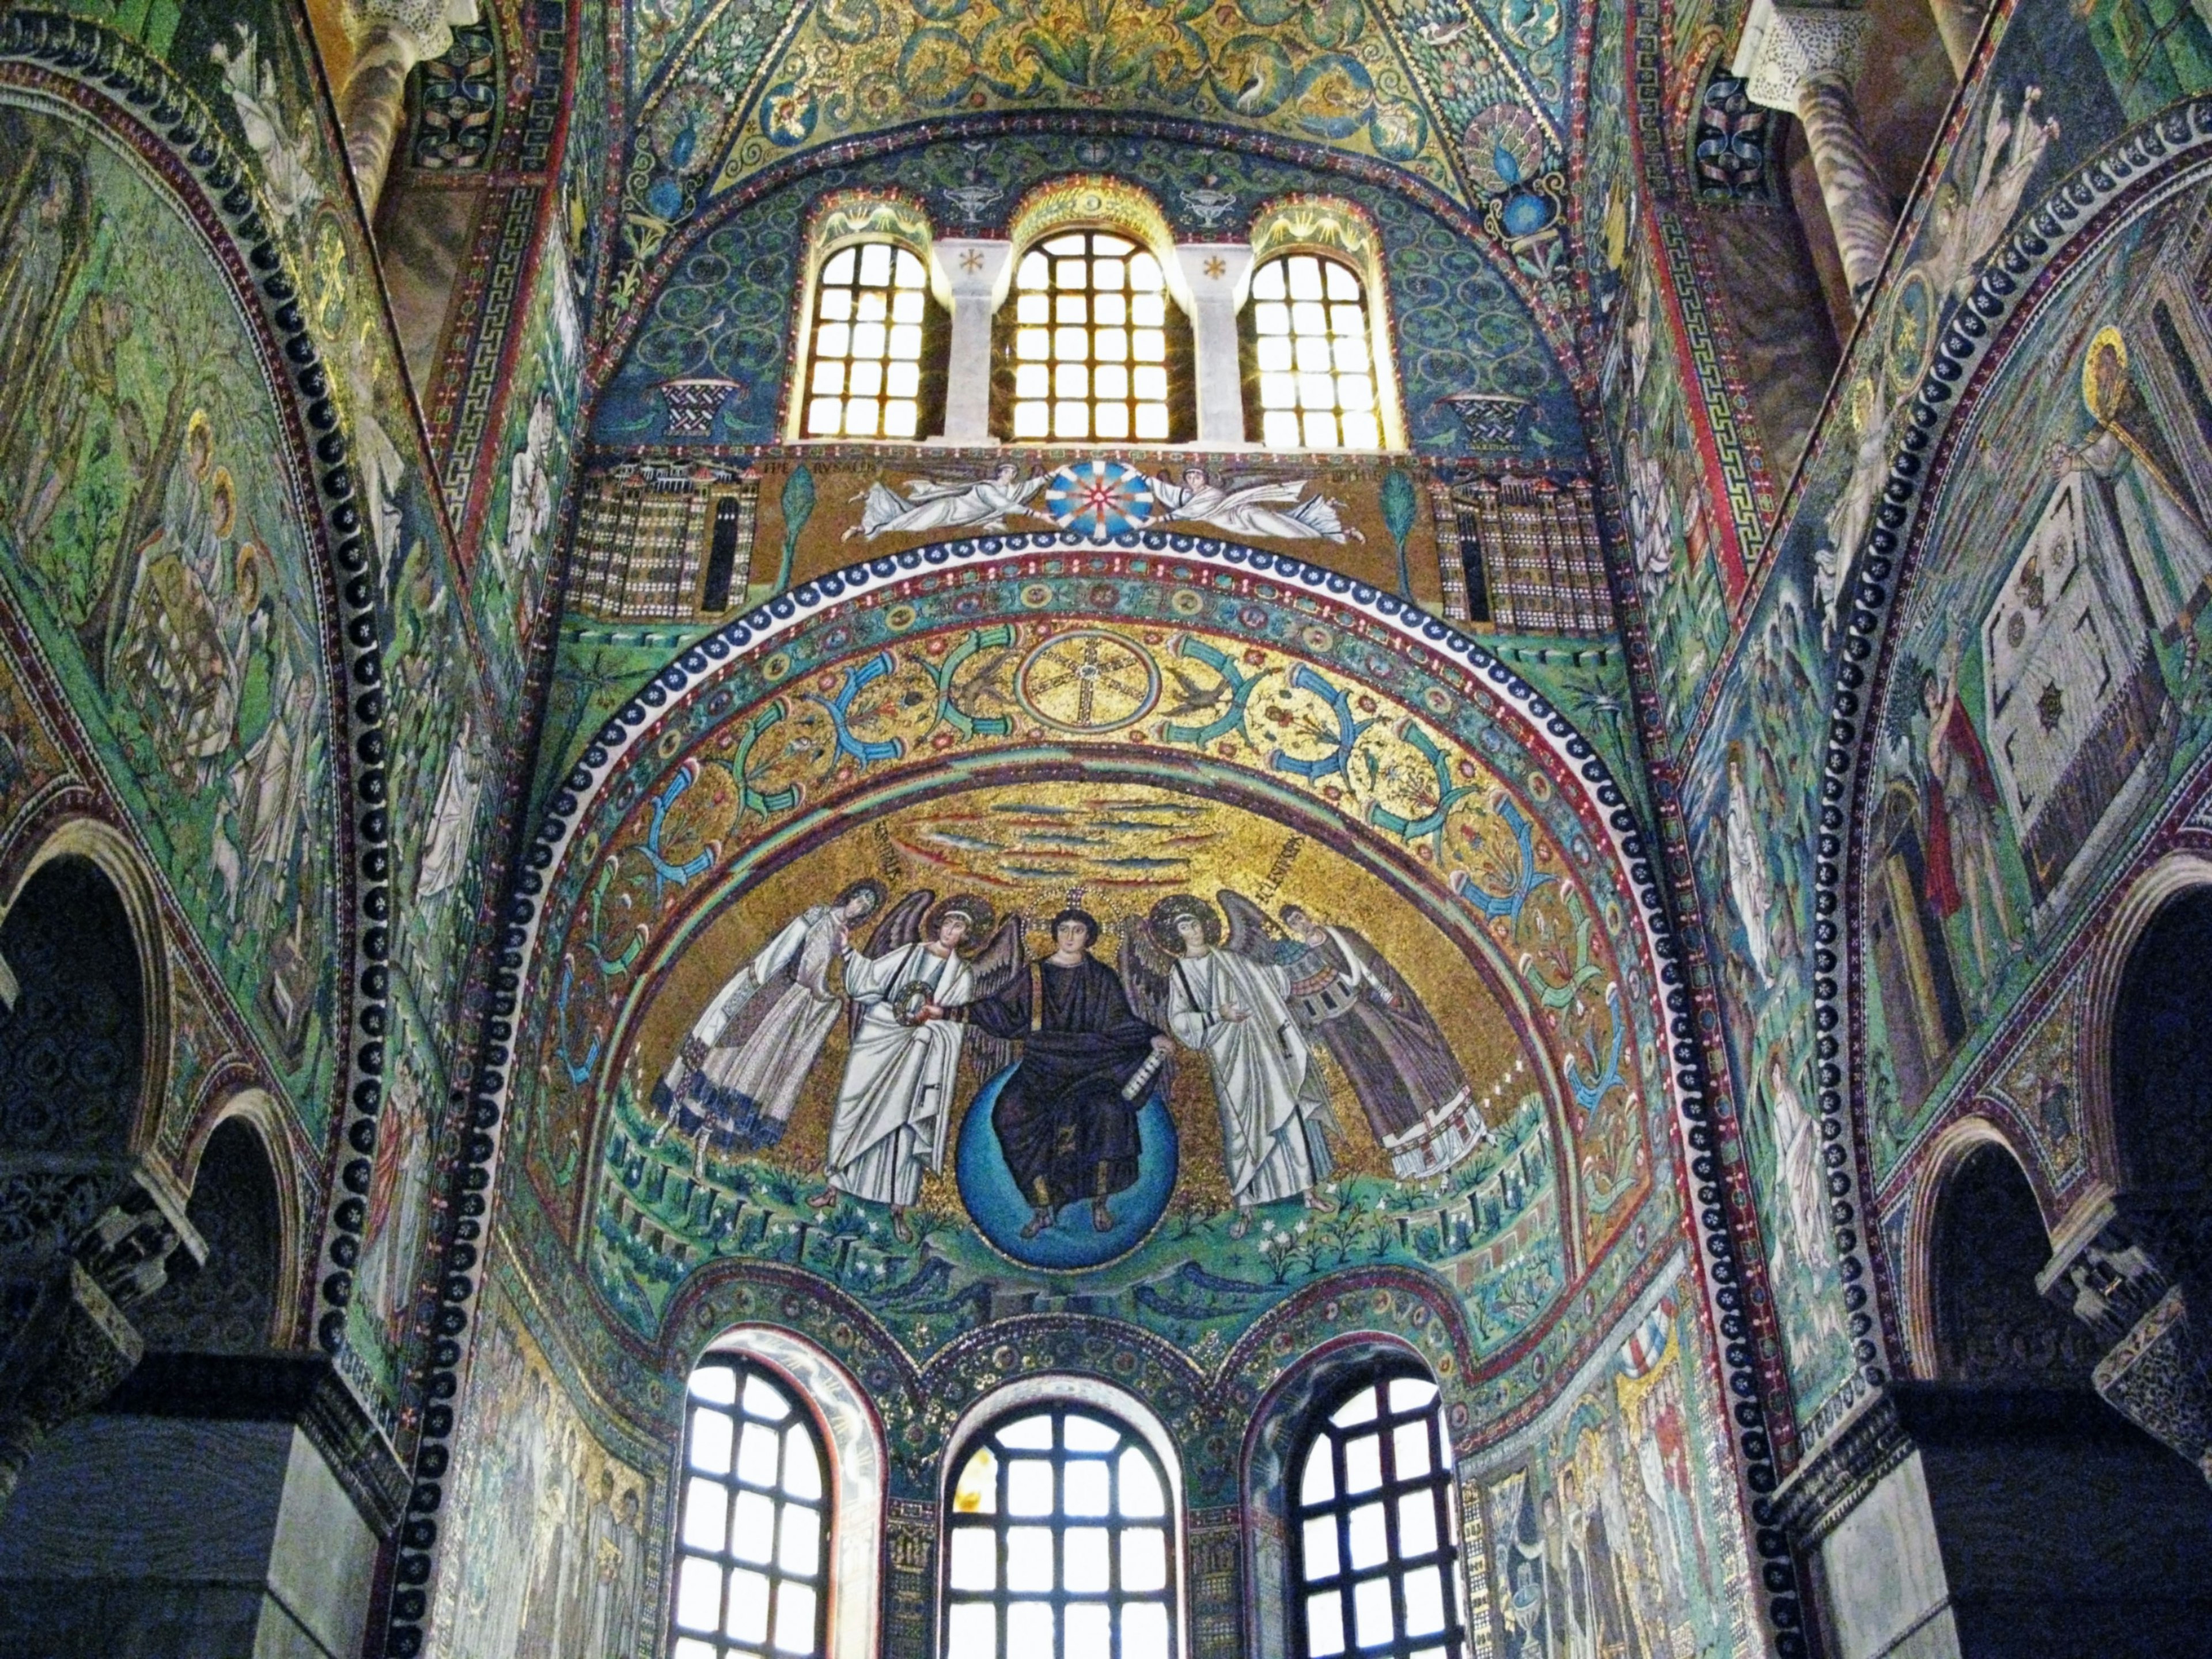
[[1802, 60], [2126, 1265], [971, 271], [1960, 23], [1214, 271], [390, 37], [75, 1342]]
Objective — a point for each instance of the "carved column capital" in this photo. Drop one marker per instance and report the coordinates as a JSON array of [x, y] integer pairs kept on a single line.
[[390, 38], [1785, 49], [77, 1342], [425, 26], [2125, 1266]]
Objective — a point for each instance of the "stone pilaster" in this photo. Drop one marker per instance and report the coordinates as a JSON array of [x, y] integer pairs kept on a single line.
[[1803, 59], [2126, 1268], [76, 1342], [971, 271], [1214, 272], [390, 37]]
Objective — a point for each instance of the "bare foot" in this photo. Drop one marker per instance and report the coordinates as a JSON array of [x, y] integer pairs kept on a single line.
[[1319, 1204], [824, 1199], [1036, 1224], [1241, 1225], [902, 1229], [1102, 1219]]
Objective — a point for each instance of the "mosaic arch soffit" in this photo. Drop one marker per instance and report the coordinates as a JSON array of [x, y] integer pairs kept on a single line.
[[641, 815], [2144, 166], [658, 729], [1463, 104], [140, 104]]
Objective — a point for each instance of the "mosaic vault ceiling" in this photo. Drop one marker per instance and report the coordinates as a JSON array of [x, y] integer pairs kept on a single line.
[[1464, 104]]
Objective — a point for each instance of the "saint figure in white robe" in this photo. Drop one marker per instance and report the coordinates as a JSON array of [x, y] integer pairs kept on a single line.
[[1267, 1087], [894, 1106], [736, 1078]]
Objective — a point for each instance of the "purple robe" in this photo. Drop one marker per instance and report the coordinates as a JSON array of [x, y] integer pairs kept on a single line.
[[1062, 1124], [1377, 1030]]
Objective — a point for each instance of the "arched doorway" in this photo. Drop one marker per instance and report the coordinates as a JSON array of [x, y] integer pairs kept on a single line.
[[72, 1042], [230, 1305], [1992, 1327], [2161, 1053]]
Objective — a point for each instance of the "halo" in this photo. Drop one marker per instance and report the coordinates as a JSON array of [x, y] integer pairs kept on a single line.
[[222, 489], [2107, 339]]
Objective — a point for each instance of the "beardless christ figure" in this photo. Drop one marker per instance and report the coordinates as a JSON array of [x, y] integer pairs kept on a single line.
[[1065, 1120]]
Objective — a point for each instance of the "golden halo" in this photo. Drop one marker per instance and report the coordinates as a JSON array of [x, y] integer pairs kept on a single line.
[[2107, 342], [222, 494], [246, 574]]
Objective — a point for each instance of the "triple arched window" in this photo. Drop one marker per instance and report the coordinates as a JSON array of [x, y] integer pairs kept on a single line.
[[1060, 1525], [1092, 326]]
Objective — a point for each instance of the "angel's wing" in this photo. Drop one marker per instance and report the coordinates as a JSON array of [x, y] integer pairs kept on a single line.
[[1001, 957], [1250, 934], [1145, 971], [1285, 491], [901, 927]]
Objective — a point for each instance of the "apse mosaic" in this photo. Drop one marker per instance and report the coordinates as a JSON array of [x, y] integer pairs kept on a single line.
[[828, 858], [724, 314]]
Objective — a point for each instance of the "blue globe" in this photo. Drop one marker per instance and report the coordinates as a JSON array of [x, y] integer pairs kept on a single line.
[[996, 1206]]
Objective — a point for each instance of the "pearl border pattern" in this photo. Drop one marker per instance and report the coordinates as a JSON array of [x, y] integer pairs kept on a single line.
[[693, 670]]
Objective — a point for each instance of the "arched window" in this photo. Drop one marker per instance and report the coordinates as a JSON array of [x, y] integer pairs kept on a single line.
[[1310, 373], [1059, 1541], [753, 1533], [1375, 1554], [875, 359], [1098, 347]]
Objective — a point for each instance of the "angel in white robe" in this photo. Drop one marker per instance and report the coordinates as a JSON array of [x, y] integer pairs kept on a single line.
[[894, 1106], [1231, 1006], [948, 504], [287, 158], [1256, 509], [737, 1077]]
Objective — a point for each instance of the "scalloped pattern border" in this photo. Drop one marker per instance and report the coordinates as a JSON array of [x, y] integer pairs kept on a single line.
[[2158, 157], [691, 669]]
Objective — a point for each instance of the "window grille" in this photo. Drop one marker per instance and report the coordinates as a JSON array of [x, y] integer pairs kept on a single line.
[[872, 340], [1375, 1555], [753, 1543], [1059, 1542], [1311, 375], [1099, 350]]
